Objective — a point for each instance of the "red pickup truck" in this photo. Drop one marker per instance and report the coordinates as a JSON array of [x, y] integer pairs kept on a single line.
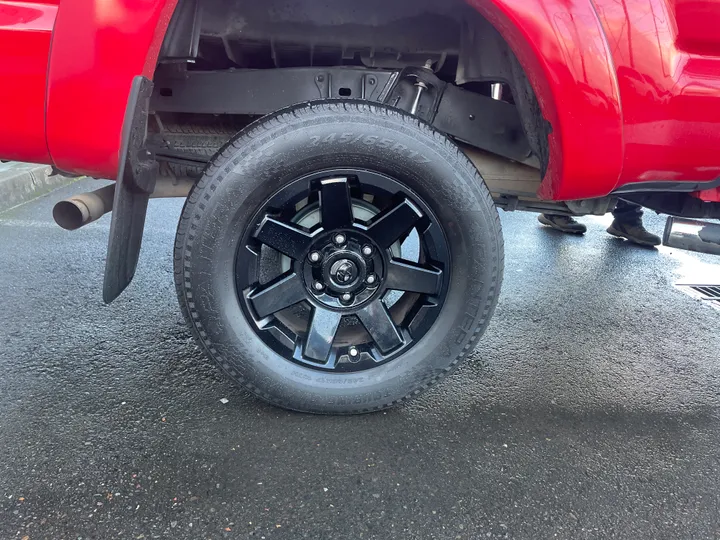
[[340, 249]]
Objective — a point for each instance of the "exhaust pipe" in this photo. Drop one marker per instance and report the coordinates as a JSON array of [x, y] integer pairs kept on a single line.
[[84, 208], [692, 235], [504, 176]]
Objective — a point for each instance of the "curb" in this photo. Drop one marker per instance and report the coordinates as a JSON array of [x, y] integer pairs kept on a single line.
[[22, 182]]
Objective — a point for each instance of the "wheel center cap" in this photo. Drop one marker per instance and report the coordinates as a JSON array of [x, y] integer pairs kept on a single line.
[[343, 272]]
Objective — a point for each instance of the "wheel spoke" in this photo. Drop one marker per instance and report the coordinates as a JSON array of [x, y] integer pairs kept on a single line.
[[321, 332], [392, 224], [283, 237], [377, 321], [411, 277], [335, 204], [279, 294]]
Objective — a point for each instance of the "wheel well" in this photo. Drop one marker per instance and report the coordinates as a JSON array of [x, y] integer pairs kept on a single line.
[[464, 48]]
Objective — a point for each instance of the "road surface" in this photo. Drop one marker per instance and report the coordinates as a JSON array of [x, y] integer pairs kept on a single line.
[[589, 409]]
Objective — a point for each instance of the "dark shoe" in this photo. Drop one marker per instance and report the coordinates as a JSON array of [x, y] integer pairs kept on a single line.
[[635, 232], [565, 224]]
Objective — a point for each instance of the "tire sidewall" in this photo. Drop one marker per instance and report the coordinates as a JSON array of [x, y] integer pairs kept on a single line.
[[286, 146]]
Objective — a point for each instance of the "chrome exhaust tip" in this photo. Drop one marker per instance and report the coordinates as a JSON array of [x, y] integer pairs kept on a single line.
[[692, 235]]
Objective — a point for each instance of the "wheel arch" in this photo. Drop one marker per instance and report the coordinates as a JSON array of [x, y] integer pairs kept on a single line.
[[562, 50], [566, 57], [567, 86]]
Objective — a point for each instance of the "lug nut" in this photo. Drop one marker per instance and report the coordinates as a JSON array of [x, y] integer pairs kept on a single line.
[[318, 286], [314, 256], [339, 239], [346, 297], [371, 279], [354, 352], [367, 251]]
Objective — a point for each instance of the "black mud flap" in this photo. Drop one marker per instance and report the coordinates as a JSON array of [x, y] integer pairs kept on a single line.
[[135, 182]]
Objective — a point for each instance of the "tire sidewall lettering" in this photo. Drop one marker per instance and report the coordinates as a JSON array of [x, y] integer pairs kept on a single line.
[[371, 141]]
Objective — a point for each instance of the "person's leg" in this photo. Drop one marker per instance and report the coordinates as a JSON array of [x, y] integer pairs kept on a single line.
[[628, 224], [565, 224], [628, 212]]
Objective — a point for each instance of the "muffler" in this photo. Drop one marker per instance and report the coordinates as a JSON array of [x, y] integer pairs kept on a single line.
[[85, 208], [692, 235]]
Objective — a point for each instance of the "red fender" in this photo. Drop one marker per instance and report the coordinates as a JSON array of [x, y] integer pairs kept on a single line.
[[564, 52], [98, 47]]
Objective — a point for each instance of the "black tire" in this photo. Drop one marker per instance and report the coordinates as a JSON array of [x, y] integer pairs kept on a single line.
[[300, 140]]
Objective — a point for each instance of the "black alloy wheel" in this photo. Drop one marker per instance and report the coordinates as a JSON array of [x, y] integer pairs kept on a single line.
[[338, 257], [343, 270]]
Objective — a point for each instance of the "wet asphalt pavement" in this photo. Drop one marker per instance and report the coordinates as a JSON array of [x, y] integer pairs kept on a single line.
[[590, 409]]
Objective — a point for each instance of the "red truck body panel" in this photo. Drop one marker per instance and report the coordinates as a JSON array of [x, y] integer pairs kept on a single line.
[[25, 35], [631, 87], [98, 47], [670, 96]]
